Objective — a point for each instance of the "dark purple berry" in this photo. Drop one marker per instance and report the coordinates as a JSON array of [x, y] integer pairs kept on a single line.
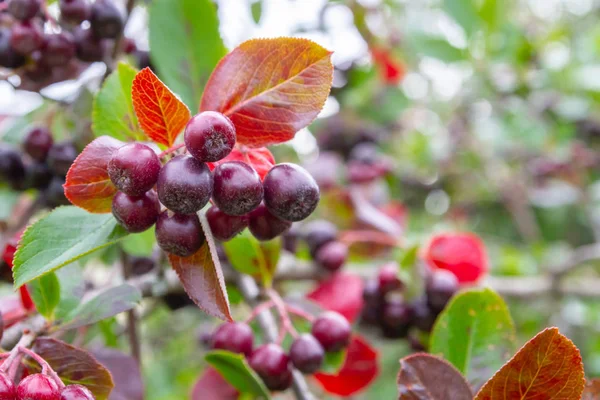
[[332, 330], [38, 143], [209, 136], [396, 318], [55, 193], [290, 192], [224, 227], [237, 188], [307, 354], [317, 233], [37, 73], [61, 156], [9, 58], [74, 11], [332, 256], [106, 20], [143, 59], [26, 37], [179, 234], [12, 169], [236, 337], [88, 48], [424, 317], [38, 175], [8, 391], [184, 185], [388, 278], [266, 226], [38, 387], [141, 265], [134, 168], [290, 239], [273, 366], [76, 392], [59, 49], [440, 288], [24, 9], [136, 213], [373, 302]]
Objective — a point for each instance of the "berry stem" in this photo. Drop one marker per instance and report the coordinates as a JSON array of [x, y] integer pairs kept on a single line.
[[286, 322], [368, 236], [258, 309], [46, 368], [300, 313], [171, 149], [11, 364]]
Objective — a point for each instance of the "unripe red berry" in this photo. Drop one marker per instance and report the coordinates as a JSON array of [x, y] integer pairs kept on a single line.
[[273, 366], [38, 387], [8, 391], [76, 392], [332, 330], [236, 337], [209, 136], [332, 256]]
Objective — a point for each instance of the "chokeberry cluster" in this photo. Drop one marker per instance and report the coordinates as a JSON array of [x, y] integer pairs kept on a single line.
[[39, 164], [185, 184], [324, 247], [330, 332], [44, 57], [385, 307]]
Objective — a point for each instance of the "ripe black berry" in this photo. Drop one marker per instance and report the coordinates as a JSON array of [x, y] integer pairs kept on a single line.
[[88, 48], [38, 387], [9, 58], [209, 136], [224, 227], [290, 192], [24, 9], [8, 391], [388, 278], [12, 169], [141, 265], [58, 49], [373, 302], [266, 226], [273, 366], [396, 318], [38, 175], [179, 234], [76, 392], [26, 37], [74, 11], [306, 353], [332, 256], [136, 213], [134, 168], [55, 193], [236, 337], [61, 156], [424, 317], [38, 143], [441, 286], [237, 188], [184, 185], [317, 233], [106, 20], [332, 330]]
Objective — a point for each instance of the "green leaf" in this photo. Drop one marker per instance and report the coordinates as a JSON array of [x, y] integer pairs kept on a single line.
[[45, 292], [464, 12], [63, 236], [105, 305], [113, 113], [256, 9], [140, 244], [437, 47], [475, 333], [333, 362], [234, 368], [185, 45]]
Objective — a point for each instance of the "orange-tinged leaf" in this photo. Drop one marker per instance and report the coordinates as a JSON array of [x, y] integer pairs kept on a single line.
[[548, 367], [87, 184], [261, 159], [270, 88], [202, 277], [160, 113]]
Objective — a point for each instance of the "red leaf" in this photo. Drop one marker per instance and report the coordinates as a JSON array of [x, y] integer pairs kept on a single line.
[[342, 292], [88, 185], [212, 386], [463, 254], [261, 159], [161, 114], [358, 371], [202, 277], [270, 88], [425, 377], [548, 367]]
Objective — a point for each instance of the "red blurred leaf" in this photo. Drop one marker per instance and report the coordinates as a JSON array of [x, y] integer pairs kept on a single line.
[[261, 159], [391, 70], [425, 377], [548, 367], [358, 371], [126, 374], [161, 114], [74, 365], [88, 185], [212, 386], [202, 277], [270, 88], [8, 255], [463, 254], [592, 390], [342, 292]]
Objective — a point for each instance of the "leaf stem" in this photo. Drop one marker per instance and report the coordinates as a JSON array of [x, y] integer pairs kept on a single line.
[[171, 150], [286, 322]]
